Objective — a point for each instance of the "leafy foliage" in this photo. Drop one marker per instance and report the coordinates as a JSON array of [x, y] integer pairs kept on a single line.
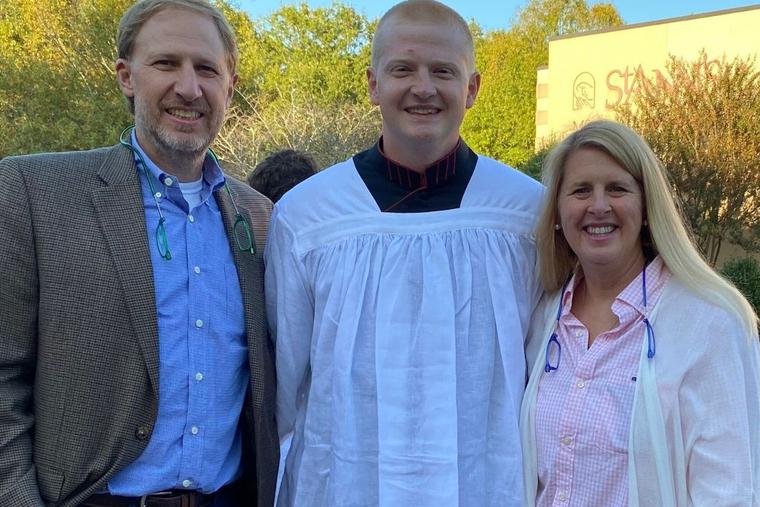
[[502, 122], [321, 52], [532, 167], [57, 88], [330, 133], [703, 125], [745, 274], [301, 87]]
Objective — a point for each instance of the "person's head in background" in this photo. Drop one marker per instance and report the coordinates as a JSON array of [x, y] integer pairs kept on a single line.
[[281, 171]]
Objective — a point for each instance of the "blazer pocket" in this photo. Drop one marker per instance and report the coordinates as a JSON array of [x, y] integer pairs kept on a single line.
[[50, 481]]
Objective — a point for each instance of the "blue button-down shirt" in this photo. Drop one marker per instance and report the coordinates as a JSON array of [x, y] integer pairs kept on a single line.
[[203, 367]]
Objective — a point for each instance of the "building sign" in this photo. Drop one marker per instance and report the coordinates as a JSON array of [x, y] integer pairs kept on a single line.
[[624, 82], [594, 74], [584, 92]]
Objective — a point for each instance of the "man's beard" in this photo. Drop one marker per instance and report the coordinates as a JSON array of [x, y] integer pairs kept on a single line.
[[170, 143], [167, 140]]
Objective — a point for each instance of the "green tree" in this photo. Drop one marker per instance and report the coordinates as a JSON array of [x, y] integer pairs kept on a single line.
[[703, 125], [321, 52], [57, 90], [532, 167], [745, 274], [302, 87], [502, 122]]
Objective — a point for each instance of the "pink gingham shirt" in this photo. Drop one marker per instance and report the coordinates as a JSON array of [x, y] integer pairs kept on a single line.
[[583, 409]]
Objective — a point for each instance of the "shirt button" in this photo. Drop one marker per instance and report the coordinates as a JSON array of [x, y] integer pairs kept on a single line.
[[567, 441], [199, 323], [562, 497], [579, 334], [197, 270], [168, 182], [191, 218], [157, 195], [187, 483], [199, 376], [581, 384], [194, 430]]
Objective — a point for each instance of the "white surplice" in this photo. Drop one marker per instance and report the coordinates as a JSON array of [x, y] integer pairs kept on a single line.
[[399, 341]]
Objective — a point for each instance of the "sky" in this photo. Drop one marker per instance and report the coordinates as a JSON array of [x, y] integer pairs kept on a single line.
[[496, 14]]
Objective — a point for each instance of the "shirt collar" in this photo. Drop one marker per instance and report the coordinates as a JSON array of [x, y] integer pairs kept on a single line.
[[633, 295], [212, 174], [656, 276], [567, 297], [436, 174]]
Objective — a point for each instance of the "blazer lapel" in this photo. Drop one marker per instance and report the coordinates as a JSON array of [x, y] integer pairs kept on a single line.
[[250, 275], [121, 215]]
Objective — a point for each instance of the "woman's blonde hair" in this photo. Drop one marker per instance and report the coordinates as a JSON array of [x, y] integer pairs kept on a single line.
[[665, 235]]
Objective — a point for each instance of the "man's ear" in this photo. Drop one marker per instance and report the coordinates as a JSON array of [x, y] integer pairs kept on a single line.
[[473, 86], [124, 77], [372, 86], [231, 89]]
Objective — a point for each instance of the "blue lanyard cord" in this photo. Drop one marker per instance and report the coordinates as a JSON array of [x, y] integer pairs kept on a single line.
[[650, 331], [241, 229], [553, 338]]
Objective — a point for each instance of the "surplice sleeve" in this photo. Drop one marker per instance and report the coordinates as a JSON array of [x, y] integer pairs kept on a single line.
[[290, 314]]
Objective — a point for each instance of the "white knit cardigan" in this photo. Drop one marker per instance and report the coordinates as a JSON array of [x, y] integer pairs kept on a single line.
[[695, 428]]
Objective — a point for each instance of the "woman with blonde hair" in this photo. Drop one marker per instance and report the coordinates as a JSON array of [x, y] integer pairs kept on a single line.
[[644, 383]]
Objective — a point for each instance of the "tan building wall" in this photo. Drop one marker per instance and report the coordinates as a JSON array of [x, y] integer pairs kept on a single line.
[[590, 74]]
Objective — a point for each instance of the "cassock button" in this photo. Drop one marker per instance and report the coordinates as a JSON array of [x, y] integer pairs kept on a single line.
[[142, 432]]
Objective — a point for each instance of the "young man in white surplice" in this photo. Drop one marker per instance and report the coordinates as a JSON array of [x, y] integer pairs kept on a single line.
[[399, 287]]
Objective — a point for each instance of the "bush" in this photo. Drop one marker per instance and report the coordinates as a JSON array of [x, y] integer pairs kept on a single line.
[[705, 132], [532, 167], [745, 274]]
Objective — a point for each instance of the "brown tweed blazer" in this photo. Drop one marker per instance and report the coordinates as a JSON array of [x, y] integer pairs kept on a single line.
[[78, 331]]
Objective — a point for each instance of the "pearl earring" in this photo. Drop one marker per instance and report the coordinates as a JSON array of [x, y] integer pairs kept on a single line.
[[557, 227]]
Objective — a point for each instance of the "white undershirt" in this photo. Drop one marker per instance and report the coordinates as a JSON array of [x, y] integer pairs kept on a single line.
[[191, 191]]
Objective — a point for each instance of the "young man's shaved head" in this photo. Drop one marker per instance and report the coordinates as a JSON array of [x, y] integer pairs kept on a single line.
[[422, 12]]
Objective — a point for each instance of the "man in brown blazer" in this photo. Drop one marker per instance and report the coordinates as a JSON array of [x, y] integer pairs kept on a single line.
[[134, 362]]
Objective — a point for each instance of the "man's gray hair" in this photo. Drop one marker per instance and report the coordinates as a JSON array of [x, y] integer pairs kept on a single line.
[[137, 15]]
